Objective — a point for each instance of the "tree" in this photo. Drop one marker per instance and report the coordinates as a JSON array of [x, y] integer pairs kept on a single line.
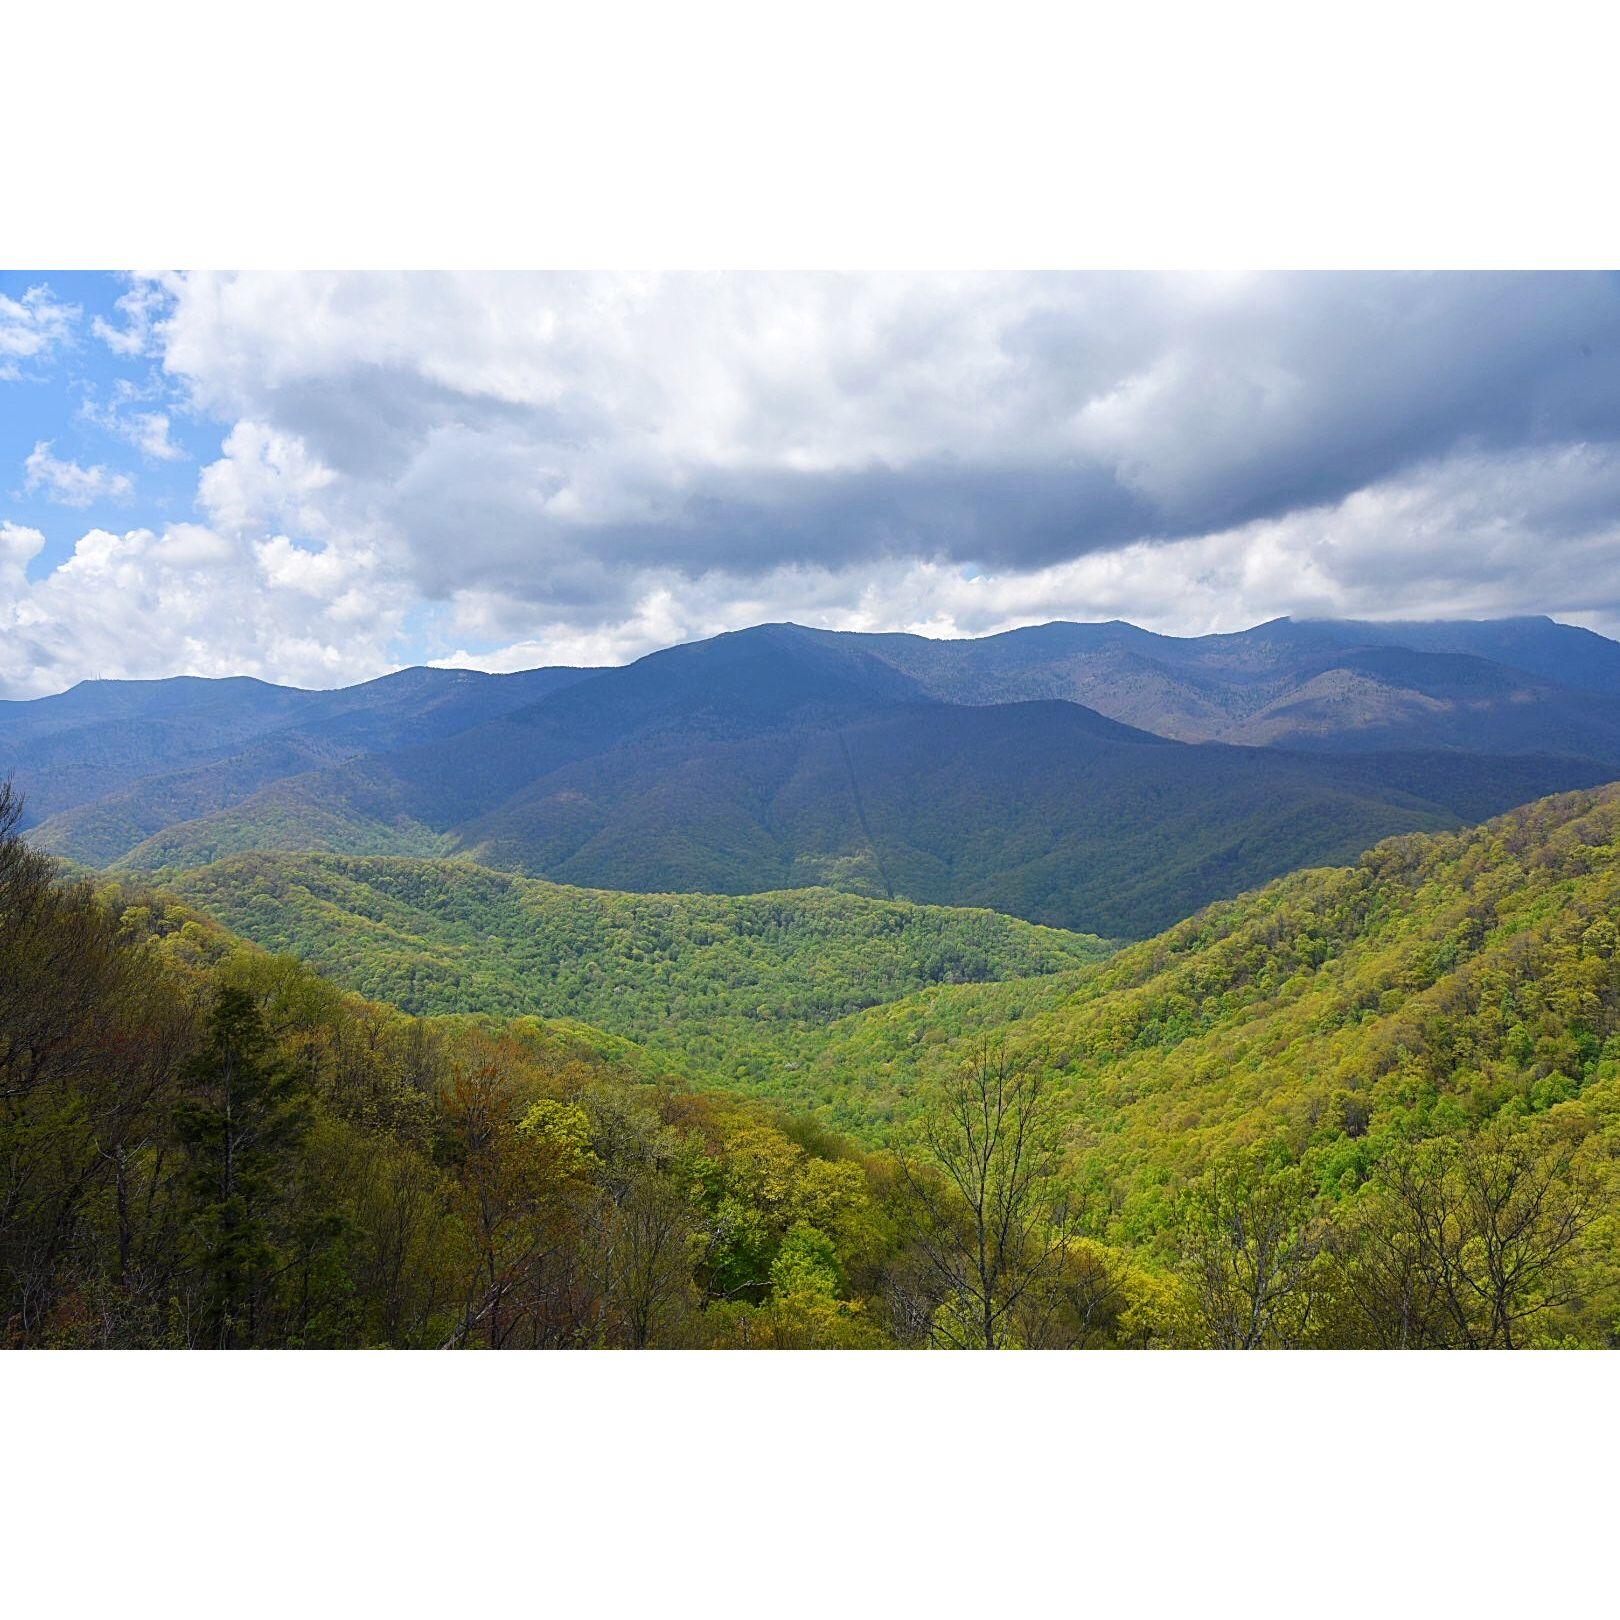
[[241, 1122], [1248, 1243], [90, 1041], [1385, 1295], [992, 1222], [522, 1171], [646, 1233], [805, 1310], [1474, 1240], [1077, 1305], [59, 964]]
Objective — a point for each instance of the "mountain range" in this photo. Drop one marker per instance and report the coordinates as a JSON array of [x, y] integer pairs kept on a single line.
[[1348, 1093], [1093, 777]]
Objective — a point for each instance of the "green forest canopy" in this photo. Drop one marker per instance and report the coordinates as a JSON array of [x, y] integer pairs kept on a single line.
[[723, 983], [1371, 1105]]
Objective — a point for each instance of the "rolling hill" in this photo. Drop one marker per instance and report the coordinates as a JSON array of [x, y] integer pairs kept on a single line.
[[708, 977], [1045, 811], [1437, 982], [1321, 1060], [1445, 995]]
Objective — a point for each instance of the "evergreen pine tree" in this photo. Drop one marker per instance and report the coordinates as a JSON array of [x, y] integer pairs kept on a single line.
[[241, 1123]]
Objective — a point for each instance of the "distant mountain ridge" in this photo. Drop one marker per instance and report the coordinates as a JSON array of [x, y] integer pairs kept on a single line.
[[1257, 686], [118, 742], [1096, 777]]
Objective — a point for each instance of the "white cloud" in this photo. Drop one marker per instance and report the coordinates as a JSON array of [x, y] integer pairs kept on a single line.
[[141, 308], [561, 468], [265, 479], [31, 329], [572, 443], [147, 430], [68, 484], [188, 600], [1451, 539], [18, 547]]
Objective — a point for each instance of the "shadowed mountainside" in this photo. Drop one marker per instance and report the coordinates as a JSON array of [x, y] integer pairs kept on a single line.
[[1037, 772]]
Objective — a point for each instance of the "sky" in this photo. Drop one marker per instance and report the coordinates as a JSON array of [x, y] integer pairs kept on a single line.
[[316, 478]]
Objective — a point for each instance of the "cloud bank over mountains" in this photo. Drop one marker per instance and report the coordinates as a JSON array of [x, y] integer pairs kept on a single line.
[[519, 469]]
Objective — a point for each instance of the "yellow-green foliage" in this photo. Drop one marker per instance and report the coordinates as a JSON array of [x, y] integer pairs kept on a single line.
[[730, 984], [1439, 986], [1373, 1105], [459, 1181]]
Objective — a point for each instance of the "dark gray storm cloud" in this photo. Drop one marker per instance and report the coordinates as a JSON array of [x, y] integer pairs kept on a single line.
[[747, 424]]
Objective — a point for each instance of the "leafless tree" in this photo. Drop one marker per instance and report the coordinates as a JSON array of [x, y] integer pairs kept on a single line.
[[1493, 1224], [993, 1224], [1248, 1243]]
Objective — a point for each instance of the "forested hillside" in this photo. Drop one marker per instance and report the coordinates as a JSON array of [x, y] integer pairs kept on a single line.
[[1366, 1104], [207, 1146], [1375, 1106], [1042, 810], [1419, 1052], [1455, 971], [723, 982], [203, 1145]]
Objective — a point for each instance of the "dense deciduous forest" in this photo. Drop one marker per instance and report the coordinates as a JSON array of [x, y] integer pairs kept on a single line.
[[1371, 1106], [206, 1145], [722, 985]]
